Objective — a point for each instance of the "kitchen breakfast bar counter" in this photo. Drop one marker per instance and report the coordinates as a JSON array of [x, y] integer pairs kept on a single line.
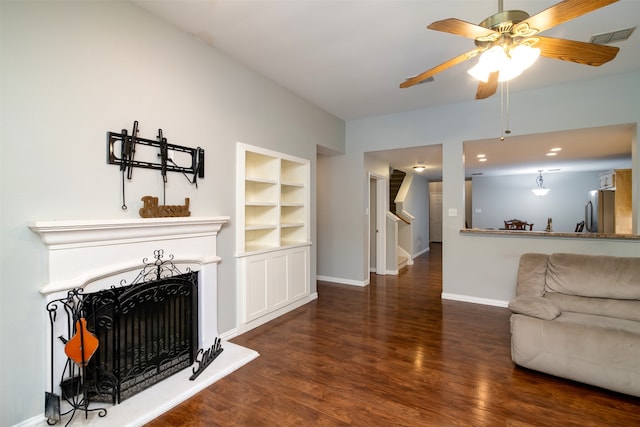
[[523, 233]]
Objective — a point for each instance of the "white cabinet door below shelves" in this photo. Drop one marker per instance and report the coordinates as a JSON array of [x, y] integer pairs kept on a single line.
[[278, 279], [297, 281], [257, 303], [273, 280]]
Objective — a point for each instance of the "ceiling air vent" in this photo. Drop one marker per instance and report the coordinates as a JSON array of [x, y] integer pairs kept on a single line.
[[613, 36]]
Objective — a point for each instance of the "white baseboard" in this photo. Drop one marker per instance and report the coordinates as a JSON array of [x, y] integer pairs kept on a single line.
[[342, 281], [246, 327], [424, 251], [226, 336], [475, 300]]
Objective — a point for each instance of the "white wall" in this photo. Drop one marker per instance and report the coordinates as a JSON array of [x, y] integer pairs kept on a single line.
[[476, 267], [501, 198], [71, 71]]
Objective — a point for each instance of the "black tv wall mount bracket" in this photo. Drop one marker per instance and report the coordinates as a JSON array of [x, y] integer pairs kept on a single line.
[[130, 151]]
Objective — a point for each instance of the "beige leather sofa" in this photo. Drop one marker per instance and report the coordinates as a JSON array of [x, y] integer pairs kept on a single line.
[[578, 317]]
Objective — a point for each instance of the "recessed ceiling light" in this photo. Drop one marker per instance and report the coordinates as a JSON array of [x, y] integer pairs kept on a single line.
[[482, 159], [556, 149], [551, 154], [480, 156]]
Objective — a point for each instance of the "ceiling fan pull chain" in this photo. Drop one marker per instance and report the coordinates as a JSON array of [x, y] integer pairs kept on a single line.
[[501, 111], [508, 129]]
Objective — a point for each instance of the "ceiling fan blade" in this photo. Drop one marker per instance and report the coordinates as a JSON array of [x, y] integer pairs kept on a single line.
[[562, 12], [463, 28], [487, 89], [435, 70], [575, 51]]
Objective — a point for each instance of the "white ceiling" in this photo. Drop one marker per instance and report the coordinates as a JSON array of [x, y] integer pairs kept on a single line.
[[349, 56]]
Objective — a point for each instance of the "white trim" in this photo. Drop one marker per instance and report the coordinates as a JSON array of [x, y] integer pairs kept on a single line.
[[425, 250], [407, 215], [475, 300], [381, 184], [343, 281], [86, 279], [230, 334], [245, 327], [75, 234]]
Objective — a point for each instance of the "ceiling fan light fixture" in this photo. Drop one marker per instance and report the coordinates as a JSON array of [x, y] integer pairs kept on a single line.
[[524, 55], [490, 60], [479, 72], [509, 70], [510, 65]]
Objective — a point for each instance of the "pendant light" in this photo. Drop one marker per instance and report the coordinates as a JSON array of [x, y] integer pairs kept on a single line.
[[540, 190]]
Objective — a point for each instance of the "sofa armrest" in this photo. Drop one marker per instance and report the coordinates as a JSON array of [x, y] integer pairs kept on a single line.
[[534, 306]]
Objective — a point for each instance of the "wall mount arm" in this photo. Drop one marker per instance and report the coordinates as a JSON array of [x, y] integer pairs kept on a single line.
[[124, 156]]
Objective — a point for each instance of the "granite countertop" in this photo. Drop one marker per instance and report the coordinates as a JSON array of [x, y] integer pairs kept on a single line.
[[478, 231]]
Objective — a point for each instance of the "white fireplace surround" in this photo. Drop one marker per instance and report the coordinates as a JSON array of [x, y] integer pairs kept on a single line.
[[96, 254]]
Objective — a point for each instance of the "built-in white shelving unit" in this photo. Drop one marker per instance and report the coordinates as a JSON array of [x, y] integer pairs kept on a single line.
[[273, 234]]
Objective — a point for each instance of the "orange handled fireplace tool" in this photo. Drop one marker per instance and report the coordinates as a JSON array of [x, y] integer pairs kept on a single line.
[[82, 345]]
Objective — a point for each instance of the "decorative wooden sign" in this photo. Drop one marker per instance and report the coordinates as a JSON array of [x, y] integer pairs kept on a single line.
[[151, 209]]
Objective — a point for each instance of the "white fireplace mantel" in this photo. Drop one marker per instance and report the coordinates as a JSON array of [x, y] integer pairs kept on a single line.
[[83, 252], [60, 234]]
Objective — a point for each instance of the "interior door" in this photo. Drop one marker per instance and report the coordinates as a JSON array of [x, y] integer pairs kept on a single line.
[[435, 217]]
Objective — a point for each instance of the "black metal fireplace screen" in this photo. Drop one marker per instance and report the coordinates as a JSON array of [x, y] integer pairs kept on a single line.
[[144, 332], [147, 332]]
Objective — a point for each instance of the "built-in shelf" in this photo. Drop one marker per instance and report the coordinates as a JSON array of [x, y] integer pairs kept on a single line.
[[273, 237], [273, 200]]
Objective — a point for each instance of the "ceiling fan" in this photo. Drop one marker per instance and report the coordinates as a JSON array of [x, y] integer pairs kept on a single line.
[[508, 42]]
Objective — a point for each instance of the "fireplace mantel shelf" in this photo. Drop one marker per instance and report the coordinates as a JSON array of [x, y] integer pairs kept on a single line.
[[57, 234], [83, 252]]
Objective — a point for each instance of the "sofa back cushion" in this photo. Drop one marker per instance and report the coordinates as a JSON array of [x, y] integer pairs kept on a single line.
[[532, 271], [596, 276]]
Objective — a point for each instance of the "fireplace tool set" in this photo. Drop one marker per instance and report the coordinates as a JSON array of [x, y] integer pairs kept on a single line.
[[130, 151], [121, 340], [79, 349]]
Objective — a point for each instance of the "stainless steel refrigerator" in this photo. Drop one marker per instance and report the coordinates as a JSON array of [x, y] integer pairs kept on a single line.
[[599, 216], [591, 212]]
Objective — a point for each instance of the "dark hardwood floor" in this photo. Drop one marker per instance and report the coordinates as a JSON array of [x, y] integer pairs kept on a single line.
[[394, 353]]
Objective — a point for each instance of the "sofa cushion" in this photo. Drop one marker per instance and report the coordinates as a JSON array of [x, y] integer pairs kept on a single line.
[[597, 350], [532, 270], [593, 276], [618, 308], [535, 306]]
